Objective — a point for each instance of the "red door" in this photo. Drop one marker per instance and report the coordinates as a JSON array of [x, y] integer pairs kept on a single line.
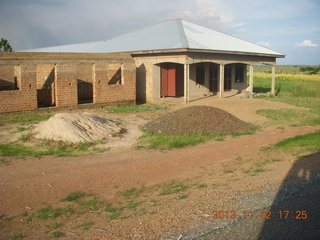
[[171, 80]]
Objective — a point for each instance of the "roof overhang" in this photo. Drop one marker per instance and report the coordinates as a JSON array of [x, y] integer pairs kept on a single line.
[[187, 50]]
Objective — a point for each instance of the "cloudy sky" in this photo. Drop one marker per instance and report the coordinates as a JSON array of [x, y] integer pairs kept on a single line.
[[291, 27]]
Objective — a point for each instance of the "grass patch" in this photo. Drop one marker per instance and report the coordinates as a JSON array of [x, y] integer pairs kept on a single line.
[[254, 171], [53, 213], [17, 237], [53, 226], [23, 118], [264, 162], [163, 141], [183, 196], [92, 204], [293, 116], [84, 226], [135, 108], [201, 186], [4, 161], [25, 137], [172, 188], [132, 192], [73, 196], [57, 234], [117, 212], [308, 140], [226, 171], [43, 149]]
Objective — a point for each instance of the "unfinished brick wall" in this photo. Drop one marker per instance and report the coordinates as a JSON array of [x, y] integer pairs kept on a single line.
[[55, 77], [104, 92], [84, 83], [45, 85], [66, 85], [7, 80], [26, 97]]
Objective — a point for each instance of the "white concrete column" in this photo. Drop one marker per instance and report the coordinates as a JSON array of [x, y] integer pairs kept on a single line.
[[251, 78], [273, 81], [221, 80], [186, 84]]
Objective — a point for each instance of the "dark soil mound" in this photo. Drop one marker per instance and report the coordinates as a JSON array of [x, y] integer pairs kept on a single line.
[[197, 119]]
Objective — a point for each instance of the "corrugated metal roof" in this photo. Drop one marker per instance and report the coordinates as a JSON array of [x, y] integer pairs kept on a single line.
[[173, 34]]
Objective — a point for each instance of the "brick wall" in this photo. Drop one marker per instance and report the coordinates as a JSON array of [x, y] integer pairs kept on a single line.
[[66, 85], [84, 82], [61, 79], [7, 81], [103, 92], [26, 97], [45, 84]]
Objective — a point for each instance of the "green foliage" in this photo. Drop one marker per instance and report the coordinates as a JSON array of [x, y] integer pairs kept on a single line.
[[23, 118], [5, 46], [262, 163], [17, 237], [52, 213], [45, 148], [310, 69], [53, 226], [135, 108], [173, 188], [57, 234], [308, 140], [132, 192], [293, 116], [84, 226], [74, 196]]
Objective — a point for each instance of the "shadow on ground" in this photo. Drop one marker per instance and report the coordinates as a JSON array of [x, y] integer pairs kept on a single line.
[[300, 195]]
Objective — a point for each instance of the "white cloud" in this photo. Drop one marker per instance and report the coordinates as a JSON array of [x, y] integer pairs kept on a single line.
[[263, 43], [211, 13], [306, 43]]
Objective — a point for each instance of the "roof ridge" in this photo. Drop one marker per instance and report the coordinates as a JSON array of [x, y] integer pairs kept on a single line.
[[182, 34]]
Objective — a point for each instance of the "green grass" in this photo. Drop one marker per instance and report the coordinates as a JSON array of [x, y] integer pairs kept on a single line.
[[172, 188], [23, 118], [253, 171], [17, 237], [117, 212], [201, 186], [163, 141], [52, 213], [45, 148], [308, 140], [132, 192], [53, 226], [293, 116], [57, 234], [84, 226], [73, 196], [92, 203], [263, 162], [135, 108]]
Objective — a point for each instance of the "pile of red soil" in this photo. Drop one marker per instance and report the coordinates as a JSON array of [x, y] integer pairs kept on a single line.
[[197, 119]]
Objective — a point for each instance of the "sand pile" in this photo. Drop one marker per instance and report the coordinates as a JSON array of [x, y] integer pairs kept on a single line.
[[77, 127], [197, 119]]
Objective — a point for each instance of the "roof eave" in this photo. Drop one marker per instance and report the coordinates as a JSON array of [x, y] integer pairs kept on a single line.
[[181, 50]]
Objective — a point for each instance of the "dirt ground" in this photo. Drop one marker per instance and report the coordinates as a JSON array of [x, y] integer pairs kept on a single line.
[[215, 171]]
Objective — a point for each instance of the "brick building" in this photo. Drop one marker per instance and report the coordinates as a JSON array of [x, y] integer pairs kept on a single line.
[[174, 58]]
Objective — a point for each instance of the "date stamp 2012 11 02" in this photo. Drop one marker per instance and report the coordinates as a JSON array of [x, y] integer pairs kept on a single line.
[[267, 214]]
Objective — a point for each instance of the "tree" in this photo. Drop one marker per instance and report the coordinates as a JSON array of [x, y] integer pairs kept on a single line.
[[5, 46]]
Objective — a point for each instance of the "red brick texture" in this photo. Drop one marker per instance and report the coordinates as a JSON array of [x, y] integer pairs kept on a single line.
[[66, 79], [66, 85], [103, 92], [26, 97]]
